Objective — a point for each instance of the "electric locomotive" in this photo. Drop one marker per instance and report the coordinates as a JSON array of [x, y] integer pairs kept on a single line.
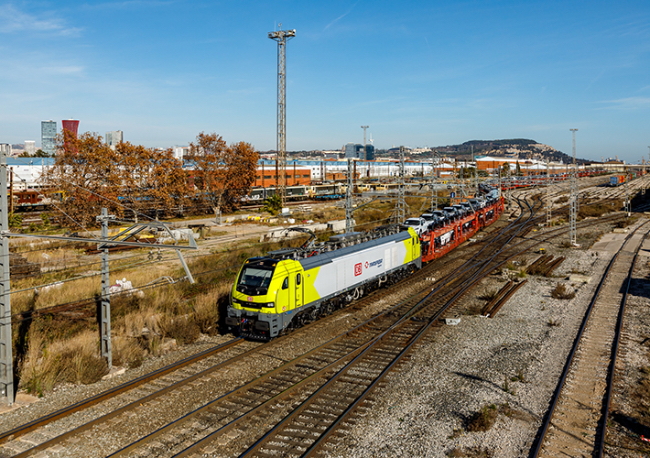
[[288, 288]]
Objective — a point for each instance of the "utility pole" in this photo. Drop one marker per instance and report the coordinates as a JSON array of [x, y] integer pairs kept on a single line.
[[401, 196], [105, 305], [548, 195], [281, 37], [475, 172], [348, 199], [574, 194], [434, 182], [508, 185], [628, 203], [365, 153], [6, 353]]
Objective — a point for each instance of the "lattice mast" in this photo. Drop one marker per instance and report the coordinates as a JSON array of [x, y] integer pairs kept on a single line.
[[281, 37], [475, 172], [348, 199], [434, 183], [548, 195], [574, 195], [509, 184], [401, 193]]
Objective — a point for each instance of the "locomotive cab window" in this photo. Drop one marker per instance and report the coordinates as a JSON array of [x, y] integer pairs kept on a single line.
[[255, 280], [285, 283], [298, 279]]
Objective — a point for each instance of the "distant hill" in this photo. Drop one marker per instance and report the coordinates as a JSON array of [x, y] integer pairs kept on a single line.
[[520, 148]]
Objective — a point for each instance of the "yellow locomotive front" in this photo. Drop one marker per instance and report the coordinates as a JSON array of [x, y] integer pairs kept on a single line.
[[265, 290]]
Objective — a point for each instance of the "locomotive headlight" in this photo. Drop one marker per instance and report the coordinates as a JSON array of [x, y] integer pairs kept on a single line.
[[269, 305]]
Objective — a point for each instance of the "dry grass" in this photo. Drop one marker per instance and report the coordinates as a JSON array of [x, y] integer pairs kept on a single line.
[[127, 352], [206, 308], [594, 210], [471, 452], [76, 360], [561, 291], [489, 295], [484, 419]]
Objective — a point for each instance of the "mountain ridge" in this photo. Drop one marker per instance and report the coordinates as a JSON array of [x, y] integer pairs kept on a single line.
[[519, 148]]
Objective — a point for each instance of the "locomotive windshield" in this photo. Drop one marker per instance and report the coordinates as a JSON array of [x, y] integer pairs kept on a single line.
[[255, 280]]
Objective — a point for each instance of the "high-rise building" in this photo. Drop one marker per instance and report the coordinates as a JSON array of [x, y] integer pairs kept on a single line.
[[351, 151], [114, 137], [355, 151], [71, 125], [30, 147], [48, 134]]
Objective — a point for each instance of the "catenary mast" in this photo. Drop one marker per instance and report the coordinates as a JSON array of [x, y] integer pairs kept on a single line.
[[573, 214]]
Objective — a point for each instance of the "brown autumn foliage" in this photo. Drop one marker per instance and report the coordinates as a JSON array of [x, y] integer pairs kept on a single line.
[[222, 174], [152, 183], [88, 172]]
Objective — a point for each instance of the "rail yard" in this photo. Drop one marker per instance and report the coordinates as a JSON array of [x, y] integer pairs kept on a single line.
[[462, 358]]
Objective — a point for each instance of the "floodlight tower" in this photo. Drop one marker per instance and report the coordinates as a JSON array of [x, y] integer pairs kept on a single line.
[[574, 194], [281, 36]]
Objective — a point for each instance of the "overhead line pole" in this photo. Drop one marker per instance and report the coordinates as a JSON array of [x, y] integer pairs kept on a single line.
[[7, 389], [349, 199], [401, 197], [574, 194]]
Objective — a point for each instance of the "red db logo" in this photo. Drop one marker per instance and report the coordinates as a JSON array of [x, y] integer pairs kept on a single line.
[[357, 270]]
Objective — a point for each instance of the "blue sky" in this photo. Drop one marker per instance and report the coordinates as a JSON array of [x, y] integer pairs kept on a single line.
[[419, 73]]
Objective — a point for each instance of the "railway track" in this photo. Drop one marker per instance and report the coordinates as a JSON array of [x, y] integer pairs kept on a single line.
[[576, 422], [52, 442], [147, 442]]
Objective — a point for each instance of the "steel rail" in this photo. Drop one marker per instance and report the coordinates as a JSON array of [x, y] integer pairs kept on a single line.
[[443, 282], [481, 273], [617, 336], [217, 432], [88, 402], [148, 377], [414, 339], [556, 397], [322, 438]]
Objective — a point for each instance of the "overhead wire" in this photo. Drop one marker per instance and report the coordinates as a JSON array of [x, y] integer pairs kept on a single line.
[[88, 301]]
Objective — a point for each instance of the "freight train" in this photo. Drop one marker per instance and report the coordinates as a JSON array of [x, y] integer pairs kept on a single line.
[[287, 288], [618, 180]]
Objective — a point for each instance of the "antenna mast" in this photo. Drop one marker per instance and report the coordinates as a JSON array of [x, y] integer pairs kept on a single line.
[[281, 36]]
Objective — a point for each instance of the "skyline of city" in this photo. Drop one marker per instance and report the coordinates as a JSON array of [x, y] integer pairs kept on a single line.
[[417, 74]]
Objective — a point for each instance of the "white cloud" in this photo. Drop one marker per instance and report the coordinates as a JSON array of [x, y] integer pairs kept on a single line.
[[13, 20], [627, 103], [341, 16]]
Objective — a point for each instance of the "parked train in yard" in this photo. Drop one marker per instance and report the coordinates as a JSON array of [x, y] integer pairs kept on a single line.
[[618, 180], [287, 288]]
